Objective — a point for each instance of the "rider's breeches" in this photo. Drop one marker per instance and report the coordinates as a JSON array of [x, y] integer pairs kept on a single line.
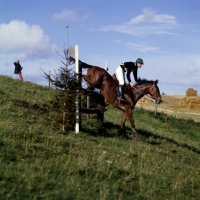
[[120, 75]]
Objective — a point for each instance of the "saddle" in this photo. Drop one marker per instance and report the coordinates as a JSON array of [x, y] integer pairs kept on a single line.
[[125, 86]]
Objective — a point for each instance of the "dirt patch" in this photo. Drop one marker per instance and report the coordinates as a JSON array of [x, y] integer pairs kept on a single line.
[[25, 104]]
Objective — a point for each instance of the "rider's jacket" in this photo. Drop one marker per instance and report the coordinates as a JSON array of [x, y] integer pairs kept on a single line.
[[129, 67]]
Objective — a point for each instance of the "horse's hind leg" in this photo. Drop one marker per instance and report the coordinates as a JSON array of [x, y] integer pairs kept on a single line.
[[124, 116], [87, 80]]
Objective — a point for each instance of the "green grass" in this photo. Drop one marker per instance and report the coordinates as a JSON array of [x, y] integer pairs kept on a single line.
[[38, 161]]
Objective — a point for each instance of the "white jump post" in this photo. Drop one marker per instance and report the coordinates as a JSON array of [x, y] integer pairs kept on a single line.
[[73, 52], [77, 126], [106, 67]]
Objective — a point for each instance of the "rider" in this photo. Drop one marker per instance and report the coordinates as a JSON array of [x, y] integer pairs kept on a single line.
[[127, 67]]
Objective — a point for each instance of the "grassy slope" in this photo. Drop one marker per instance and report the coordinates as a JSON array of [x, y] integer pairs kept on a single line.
[[39, 162]]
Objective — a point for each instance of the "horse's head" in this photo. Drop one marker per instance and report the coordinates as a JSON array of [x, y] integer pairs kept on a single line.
[[155, 93]]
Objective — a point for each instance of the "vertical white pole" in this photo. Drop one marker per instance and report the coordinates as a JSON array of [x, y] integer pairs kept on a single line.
[[106, 68], [77, 97], [156, 105]]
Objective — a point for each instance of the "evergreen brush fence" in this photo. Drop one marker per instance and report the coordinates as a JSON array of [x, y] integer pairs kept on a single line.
[[39, 161]]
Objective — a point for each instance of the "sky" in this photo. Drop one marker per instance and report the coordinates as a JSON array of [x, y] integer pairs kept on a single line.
[[164, 33]]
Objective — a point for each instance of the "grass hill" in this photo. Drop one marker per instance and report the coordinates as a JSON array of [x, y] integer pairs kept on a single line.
[[38, 161]]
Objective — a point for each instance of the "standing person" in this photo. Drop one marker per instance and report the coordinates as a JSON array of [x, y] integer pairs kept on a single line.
[[127, 67], [18, 69]]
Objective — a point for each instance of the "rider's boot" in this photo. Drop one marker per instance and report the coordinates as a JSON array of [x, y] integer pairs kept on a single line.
[[120, 93]]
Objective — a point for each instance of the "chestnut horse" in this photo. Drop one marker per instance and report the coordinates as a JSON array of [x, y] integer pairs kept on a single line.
[[101, 79]]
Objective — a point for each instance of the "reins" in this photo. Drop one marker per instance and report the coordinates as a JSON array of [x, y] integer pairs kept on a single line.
[[142, 92]]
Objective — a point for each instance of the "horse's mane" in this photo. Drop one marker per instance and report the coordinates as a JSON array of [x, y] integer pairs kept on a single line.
[[143, 80]]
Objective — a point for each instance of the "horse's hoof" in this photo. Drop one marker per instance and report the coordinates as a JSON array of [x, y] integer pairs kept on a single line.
[[138, 137]]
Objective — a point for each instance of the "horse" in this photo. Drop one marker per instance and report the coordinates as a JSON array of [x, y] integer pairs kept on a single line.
[[99, 78]]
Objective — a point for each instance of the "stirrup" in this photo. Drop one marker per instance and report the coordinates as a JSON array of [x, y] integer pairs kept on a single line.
[[120, 98]]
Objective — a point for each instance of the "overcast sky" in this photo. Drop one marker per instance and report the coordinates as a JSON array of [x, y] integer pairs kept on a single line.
[[164, 33]]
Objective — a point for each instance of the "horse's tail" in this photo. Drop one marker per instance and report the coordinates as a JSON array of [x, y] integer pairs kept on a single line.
[[84, 65]]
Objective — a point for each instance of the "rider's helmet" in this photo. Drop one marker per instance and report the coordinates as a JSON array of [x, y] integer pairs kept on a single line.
[[139, 60]]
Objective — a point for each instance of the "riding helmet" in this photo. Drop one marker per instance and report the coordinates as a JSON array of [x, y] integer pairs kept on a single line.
[[139, 60]]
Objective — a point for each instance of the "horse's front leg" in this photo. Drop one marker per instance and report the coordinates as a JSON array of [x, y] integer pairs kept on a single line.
[[130, 117]]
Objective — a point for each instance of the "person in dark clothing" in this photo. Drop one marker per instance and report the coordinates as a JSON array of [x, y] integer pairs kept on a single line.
[[18, 69], [127, 67]]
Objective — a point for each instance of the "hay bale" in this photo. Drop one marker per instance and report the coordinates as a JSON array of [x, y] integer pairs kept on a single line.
[[183, 102], [191, 101], [188, 99], [194, 104], [144, 100], [191, 92]]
